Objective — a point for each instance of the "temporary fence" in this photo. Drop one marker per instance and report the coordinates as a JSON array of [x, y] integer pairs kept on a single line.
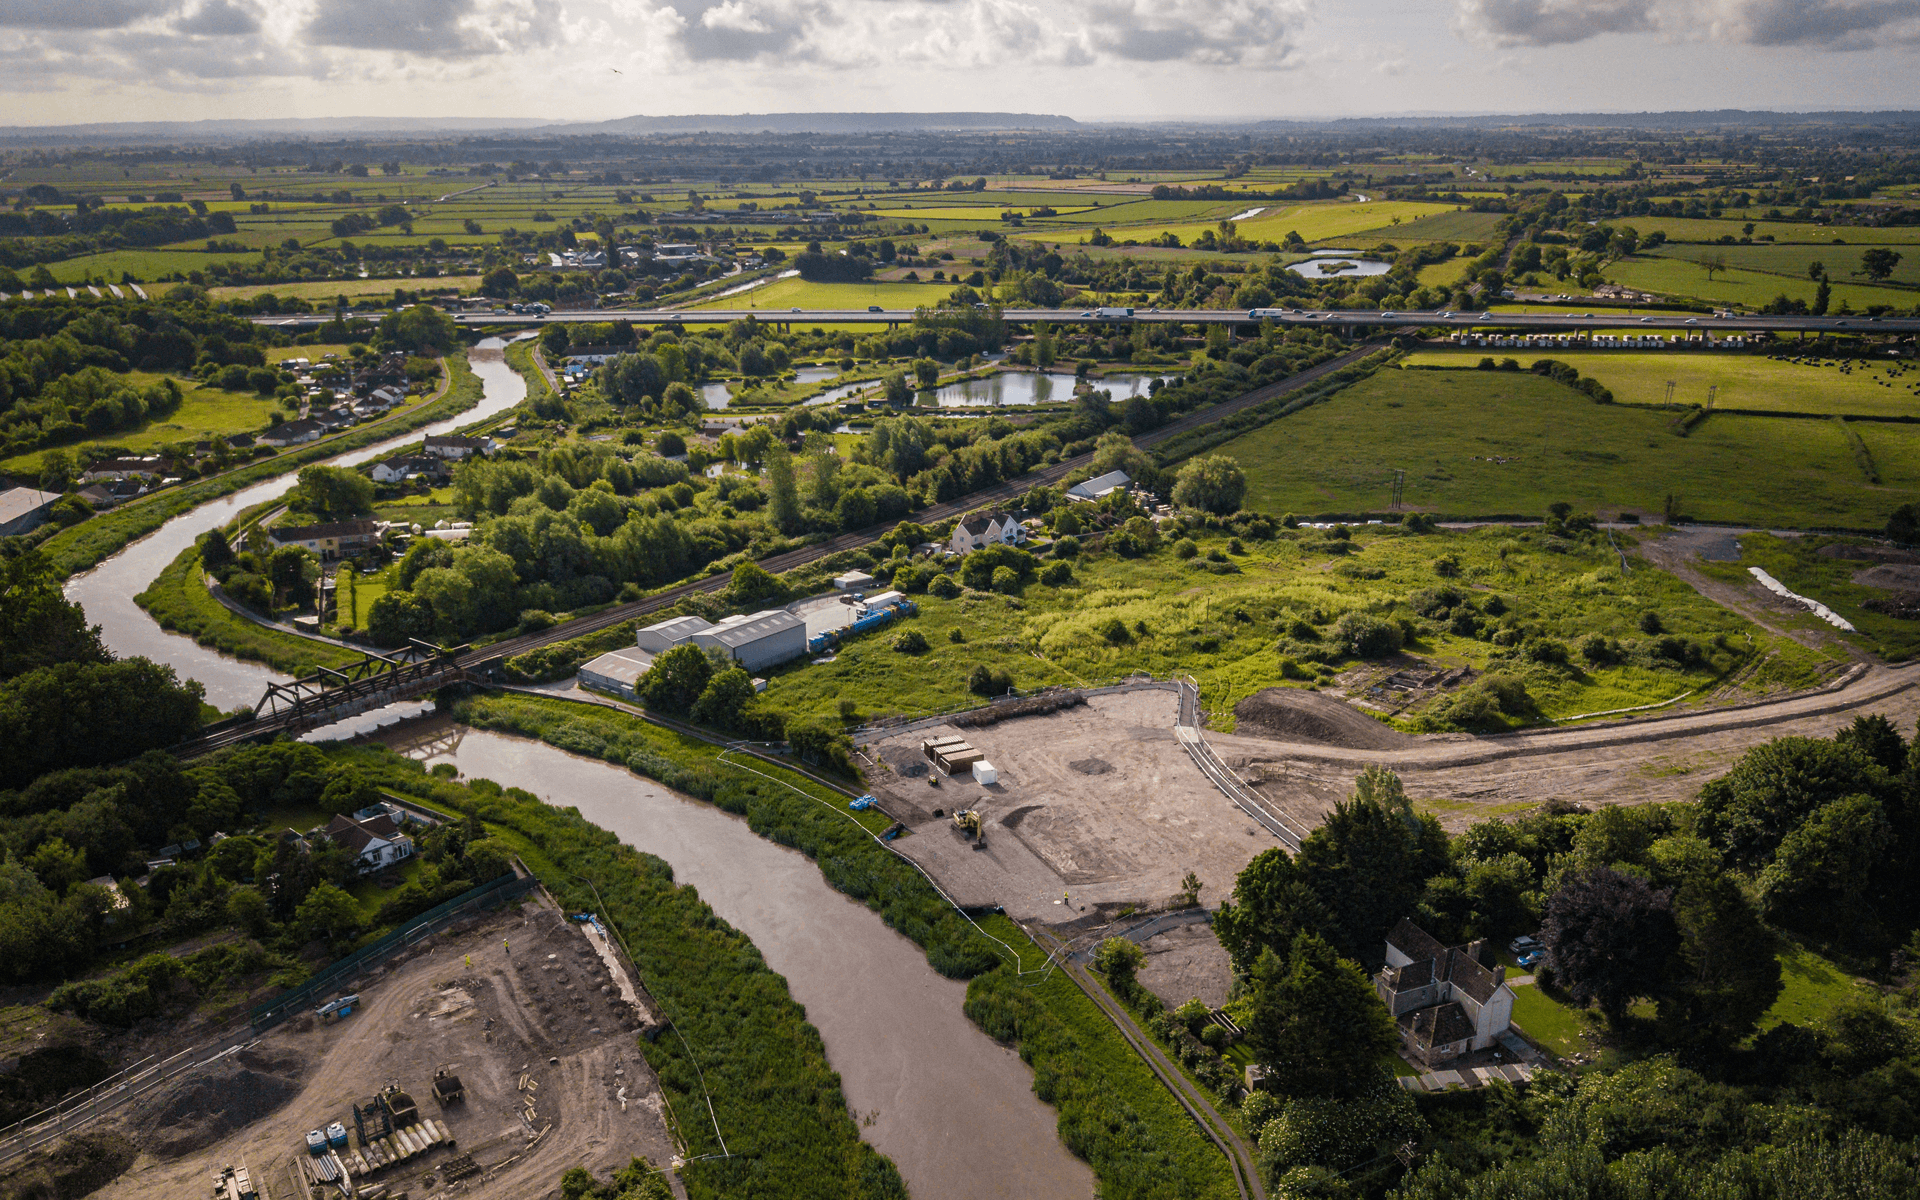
[[487, 895], [82, 1108], [1211, 765]]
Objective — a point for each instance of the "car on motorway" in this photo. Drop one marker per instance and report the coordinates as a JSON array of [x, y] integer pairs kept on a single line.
[[795, 308], [1646, 320], [1693, 320], [1388, 314], [875, 308]]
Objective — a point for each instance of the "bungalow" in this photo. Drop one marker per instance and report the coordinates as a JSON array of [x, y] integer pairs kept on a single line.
[[384, 398], [292, 433], [986, 529], [1445, 1002], [390, 371], [129, 468], [374, 843], [333, 420], [110, 492], [331, 538], [454, 447], [1099, 487], [395, 470]]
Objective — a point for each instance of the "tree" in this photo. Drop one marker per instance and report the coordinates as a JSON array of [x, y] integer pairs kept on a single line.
[[676, 680], [1317, 1026], [723, 701], [1368, 862], [1608, 937], [1879, 262], [335, 493], [1816, 270], [1822, 870], [1118, 958], [501, 281], [420, 329], [753, 585], [1875, 737], [292, 571], [1725, 976], [783, 498], [1214, 484], [398, 616], [327, 912], [1773, 788], [1713, 264], [77, 714], [1271, 905], [39, 626], [1364, 635], [1822, 296]]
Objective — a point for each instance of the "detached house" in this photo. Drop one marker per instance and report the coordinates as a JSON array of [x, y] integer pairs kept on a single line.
[[987, 529], [1444, 1001], [374, 842], [454, 447]]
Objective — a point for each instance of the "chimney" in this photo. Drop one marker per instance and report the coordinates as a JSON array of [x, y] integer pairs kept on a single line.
[[1499, 975]]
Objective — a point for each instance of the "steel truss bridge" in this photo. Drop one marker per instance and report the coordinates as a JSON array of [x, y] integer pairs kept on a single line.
[[329, 695]]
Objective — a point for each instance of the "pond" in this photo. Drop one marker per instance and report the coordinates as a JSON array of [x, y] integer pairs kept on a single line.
[[1348, 264], [1029, 387]]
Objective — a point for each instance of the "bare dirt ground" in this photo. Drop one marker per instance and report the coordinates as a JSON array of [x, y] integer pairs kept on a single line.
[[1676, 553], [1463, 778], [511, 995], [1186, 962], [1098, 802]]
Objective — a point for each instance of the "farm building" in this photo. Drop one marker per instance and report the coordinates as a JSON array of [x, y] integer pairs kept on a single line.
[[852, 581], [22, 509], [617, 671], [1099, 486]]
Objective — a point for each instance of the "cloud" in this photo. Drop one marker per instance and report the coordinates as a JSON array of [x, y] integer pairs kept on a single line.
[[220, 18], [425, 27], [1831, 24], [745, 30], [80, 14]]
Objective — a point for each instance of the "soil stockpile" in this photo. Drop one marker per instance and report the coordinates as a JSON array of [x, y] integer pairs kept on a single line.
[[1292, 715], [1880, 554], [1892, 577], [211, 1103]]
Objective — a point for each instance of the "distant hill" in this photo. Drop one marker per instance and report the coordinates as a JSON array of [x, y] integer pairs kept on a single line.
[[844, 122]]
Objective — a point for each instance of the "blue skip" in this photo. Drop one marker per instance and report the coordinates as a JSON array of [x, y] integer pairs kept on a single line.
[[861, 803]]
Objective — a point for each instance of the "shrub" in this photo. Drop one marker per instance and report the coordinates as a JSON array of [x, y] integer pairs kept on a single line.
[[955, 636], [1650, 623], [1447, 566], [1006, 580], [944, 587], [910, 642], [1185, 548], [1545, 651], [1364, 635], [1067, 547], [985, 681], [1055, 575], [533, 620], [1114, 630]]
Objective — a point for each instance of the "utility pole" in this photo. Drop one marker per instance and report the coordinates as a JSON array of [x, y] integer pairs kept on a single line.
[[1399, 485], [1669, 393]]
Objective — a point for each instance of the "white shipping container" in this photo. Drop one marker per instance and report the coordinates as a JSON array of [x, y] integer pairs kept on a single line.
[[984, 773]]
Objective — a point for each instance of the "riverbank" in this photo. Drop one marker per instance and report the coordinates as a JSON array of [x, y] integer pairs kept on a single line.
[[1112, 1112], [98, 538], [181, 600]]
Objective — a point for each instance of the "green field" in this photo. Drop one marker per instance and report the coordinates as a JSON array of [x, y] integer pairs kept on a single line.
[[1812, 988], [1447, 428], [323, 290], [1745, 381], [204, 413], [1317, 222], [1457, 226], [1798, 563], [783, 294], [1842, 263], [1683, 276]]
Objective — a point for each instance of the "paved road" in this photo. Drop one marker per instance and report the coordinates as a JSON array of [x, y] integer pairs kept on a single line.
[[1662, 322]]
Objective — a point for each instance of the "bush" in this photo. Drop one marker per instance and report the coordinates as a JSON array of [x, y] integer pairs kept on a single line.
[[984, 681], [1545, 651], [1366, 636], [1185, 548], [944, 587], [1067, 547], [910, 642], [1055, 575]]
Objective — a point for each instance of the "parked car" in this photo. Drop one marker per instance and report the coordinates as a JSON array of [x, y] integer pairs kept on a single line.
[[1532, 958], [1526, 943]]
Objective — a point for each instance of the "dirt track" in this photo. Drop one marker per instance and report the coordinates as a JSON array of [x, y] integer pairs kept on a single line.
[[1465, 778], [539, 1010]]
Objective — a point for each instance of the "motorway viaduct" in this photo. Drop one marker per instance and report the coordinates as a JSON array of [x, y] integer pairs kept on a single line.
[[1346, 321]]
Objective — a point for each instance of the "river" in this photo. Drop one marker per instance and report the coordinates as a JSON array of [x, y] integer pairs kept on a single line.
[[956, 1112]]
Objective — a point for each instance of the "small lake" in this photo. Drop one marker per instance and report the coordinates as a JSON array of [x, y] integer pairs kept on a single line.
[[1028, 387], [1351, 265]]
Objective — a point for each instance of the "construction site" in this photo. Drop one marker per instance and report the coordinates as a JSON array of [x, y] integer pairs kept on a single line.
[[482, 1062]]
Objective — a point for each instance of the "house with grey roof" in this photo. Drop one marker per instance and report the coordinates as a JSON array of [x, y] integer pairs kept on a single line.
[[1444, 1000], [986, 529]]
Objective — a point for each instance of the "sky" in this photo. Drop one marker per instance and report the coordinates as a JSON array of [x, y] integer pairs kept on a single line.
[[68, 61]]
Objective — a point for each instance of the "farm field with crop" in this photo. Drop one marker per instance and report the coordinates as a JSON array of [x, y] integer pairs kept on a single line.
[[1746, 381], [1489, 443]]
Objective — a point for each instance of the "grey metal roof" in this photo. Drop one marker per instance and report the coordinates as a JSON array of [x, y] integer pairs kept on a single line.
[[1101, 483], [18, 502], [621, 666], [677, 628], [735, 632]]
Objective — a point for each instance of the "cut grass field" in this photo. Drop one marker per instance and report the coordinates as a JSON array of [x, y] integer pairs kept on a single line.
[[1746, 381], [782, 294], [1683, 276], [141, 264], [1794, 262], [1223, 629], [1496, 443], [204, 413], [1318, 222]]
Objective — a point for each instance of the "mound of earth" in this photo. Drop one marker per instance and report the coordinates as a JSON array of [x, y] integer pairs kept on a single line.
[[1892, 577], [1900, 604], [76, 1167], [1879, 554], [1292, 715], [212, 1103]]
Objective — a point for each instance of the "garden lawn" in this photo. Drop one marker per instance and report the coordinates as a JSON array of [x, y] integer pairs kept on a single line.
[[1554, 1025], [1812, 988], [1746, 381], [1495, 443]]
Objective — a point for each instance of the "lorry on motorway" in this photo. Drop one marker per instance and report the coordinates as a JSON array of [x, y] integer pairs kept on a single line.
[[1113, 314]]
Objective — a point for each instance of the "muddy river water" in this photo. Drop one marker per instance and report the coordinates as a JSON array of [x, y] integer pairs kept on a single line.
[[954, 1110]]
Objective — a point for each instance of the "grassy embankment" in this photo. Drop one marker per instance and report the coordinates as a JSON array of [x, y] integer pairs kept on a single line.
[[1113, 1112], [747, 1046], [180, 603], [1178, 616], [88, 543], [1478, 444]]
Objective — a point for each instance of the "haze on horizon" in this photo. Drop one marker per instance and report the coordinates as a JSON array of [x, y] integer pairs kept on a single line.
[[68, 61]]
